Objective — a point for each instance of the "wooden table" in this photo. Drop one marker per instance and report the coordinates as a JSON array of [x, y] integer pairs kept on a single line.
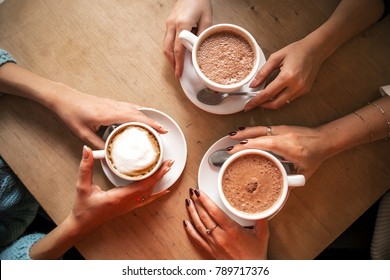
[[114, 49]]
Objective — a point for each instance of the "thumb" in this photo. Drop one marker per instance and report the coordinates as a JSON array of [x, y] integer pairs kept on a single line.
[[84, 182]]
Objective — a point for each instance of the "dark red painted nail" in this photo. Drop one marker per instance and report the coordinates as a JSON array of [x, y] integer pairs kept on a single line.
[[197, 193]]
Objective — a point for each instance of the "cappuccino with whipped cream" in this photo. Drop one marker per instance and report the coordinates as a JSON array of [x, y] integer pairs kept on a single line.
[[133, 151]]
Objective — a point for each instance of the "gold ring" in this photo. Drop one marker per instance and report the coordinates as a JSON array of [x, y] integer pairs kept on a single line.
[[210, 230], [269, 130]]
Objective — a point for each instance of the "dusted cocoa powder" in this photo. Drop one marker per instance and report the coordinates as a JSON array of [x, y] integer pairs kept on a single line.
[[225, 57], [252, 184]]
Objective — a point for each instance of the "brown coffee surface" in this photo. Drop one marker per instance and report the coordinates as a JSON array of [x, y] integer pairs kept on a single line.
[[225, 58], [252, 184]]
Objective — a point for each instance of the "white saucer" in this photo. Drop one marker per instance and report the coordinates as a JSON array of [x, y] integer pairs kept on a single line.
[[175, 148], [208, 178], [191, 84]]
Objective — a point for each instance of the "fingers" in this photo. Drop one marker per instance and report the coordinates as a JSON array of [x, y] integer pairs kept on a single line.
[[150, 199], [263, 143], [214, 212], [251, 132], [193, 233], [168, 45], [92, 138], [152, 180], [138, 194], [84, 182], [179, 52], [265, 71], [174, 50], [195, 213], [268, 94], [262, 230], [152, 123]]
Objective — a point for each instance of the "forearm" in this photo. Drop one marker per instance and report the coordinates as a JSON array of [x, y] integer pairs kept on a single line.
[[16, 80], [349, 19], [57, 242], [365, 125]]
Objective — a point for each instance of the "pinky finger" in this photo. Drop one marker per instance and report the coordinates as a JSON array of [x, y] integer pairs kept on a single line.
[[196, 237]]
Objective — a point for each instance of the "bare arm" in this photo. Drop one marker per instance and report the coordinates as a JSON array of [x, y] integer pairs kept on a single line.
[[308, 148], [300, 61], [83, 113]]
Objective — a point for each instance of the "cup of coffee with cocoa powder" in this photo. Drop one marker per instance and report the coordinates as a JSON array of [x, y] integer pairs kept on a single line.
[[225, 56], [133, 151], [254, 185]]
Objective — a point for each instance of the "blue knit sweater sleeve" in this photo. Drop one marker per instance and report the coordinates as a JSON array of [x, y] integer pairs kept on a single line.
[[5, 57], [20, 249]]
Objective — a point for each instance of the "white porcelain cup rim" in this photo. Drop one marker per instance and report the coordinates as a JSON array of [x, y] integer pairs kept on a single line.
[[192, 43], [289, 181], [102, 154]]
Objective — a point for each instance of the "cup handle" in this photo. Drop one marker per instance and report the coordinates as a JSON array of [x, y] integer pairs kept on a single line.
[[188, 39], [296, 180], [99, 154]]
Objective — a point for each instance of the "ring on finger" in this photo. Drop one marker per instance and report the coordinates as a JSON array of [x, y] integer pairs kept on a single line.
[[141, 199], [210, 230], [269, 131]]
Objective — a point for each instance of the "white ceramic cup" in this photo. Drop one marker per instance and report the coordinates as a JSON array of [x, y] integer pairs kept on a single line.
[[289, 181], [103, 154], [192, 43]]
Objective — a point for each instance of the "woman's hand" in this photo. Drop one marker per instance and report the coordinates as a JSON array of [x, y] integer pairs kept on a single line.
[[186, 15], [298, 66], [227, 239], [94, 206], [307, 148], [84, 113]]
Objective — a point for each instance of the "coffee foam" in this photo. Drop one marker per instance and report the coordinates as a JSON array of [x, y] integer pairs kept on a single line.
[[252, 184], [134, 151], [225, 57]]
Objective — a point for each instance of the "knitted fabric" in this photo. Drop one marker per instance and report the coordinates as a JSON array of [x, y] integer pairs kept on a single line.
[[20, 249], [5, 57], [17, 206]]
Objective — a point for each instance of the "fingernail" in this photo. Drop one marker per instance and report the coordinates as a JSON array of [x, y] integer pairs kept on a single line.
[[253, 83], [171, 162], [247, 108], [197, 193], [241, 128], [232, 133], [85, 152], [229, 148], [162, 127], [185, 223], [191, 192], [188, 202], [243, 142]]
